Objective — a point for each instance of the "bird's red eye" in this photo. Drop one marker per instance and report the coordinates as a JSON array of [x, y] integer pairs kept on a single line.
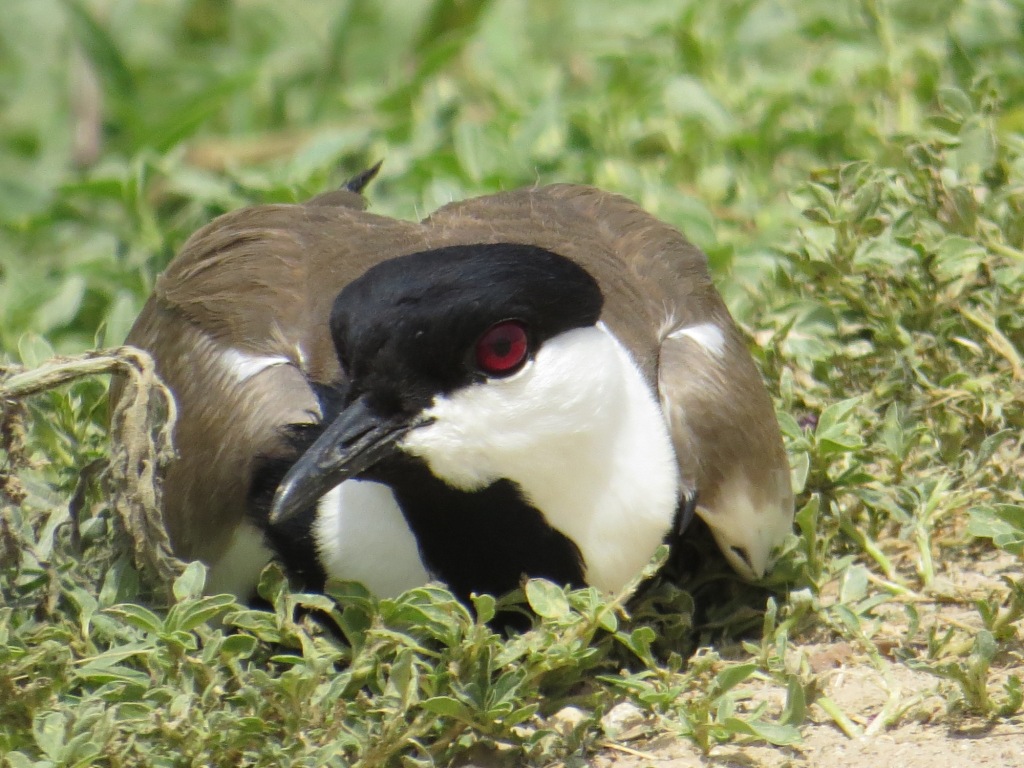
[[502, 349]]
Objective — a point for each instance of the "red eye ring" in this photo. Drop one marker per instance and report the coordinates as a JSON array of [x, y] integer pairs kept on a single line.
[[502, 349]]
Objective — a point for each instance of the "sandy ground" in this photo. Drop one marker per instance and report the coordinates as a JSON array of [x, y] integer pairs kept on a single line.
[[911, 746], [904, 714]]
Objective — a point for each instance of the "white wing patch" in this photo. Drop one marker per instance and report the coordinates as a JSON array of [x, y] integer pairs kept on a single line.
[[708, 335], [244, 366]]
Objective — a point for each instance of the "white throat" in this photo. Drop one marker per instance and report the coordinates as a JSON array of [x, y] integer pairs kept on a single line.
[[581, 434]]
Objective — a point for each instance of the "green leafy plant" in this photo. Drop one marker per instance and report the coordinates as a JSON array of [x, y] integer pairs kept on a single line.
[[855, 173]]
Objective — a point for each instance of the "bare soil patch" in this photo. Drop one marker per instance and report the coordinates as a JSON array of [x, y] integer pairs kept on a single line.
[[908, 718]]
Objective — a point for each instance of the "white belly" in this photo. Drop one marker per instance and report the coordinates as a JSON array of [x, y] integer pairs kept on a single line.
[[362, 536]]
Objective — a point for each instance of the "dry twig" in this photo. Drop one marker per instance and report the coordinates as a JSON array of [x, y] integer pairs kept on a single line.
[[141, 425]]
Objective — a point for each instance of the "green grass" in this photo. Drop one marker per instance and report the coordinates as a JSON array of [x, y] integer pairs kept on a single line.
[[855, 172]]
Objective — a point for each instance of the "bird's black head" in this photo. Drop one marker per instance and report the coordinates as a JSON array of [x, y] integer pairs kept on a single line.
[[418, 327], [425, 324]]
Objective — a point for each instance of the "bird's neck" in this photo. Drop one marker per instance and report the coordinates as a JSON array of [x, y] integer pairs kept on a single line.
[[484, 540], [612, 487], [591, 451]]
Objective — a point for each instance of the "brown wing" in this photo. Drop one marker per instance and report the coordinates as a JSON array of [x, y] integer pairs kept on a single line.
[[238, 327]]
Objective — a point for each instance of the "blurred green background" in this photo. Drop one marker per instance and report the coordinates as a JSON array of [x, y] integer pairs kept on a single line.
[[855, 172], [124, 125]]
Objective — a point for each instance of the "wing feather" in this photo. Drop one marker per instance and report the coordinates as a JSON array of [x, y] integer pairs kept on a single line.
[[238, 326]]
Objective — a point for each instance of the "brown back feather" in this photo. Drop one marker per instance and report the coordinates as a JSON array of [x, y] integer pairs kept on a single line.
[[262, 281]]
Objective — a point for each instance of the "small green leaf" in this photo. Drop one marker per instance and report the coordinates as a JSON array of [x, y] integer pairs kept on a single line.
[[807, 518], [773, 733], [984, 649], [49, 731], [546, 599], [795, 711], [33, 350], [484, 607], [86, 605], [955, 101], [608, 620], [832, 418], [239, 646], [854, 584], [1003, 523], [116, 655], [818, 216], [520, 715], [446, 706], [21, 760], [138, 617], [191, 581], [639, 642], [1014, 697], [403, 680], [990, 445], [732, 676], [184, 617], [801, 468]]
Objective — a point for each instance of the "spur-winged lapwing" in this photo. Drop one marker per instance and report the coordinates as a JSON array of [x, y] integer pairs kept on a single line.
[[531, 383]]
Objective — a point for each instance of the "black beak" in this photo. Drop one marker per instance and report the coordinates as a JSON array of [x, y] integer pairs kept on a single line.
[[352, 443]]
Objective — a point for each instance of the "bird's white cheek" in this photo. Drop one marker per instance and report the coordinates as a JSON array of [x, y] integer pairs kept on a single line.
[[474, 432], [448, 456], [521, 425]]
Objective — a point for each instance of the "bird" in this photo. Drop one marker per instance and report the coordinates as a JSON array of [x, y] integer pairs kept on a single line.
[[542, 382]]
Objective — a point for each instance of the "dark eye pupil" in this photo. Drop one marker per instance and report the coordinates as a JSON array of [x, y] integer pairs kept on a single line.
[[502, 349]]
